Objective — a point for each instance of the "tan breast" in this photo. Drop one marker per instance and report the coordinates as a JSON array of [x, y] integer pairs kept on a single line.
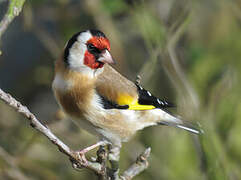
[[73, 90]]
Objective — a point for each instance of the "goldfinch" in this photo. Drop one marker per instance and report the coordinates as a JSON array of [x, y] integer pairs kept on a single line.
[[101, 100]]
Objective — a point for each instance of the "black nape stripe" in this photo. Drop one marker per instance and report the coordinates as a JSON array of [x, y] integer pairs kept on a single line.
[[70, 43], [97, 33], [146, 98], [111, 105]]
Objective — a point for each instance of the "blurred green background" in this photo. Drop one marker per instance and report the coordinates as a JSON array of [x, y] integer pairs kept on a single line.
[[186, 51]]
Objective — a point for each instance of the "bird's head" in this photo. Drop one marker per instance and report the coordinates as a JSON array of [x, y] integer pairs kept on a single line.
[[88, 51]]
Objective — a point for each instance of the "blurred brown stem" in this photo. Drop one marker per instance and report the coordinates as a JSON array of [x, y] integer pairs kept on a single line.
[[175, 72], [13, 172]]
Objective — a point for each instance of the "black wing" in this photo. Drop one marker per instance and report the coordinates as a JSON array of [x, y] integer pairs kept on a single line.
[[146, 98]]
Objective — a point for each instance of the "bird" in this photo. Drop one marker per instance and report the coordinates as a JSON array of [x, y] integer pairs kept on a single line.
[[102, 101]]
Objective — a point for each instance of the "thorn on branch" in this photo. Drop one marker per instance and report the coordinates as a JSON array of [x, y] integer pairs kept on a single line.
[[76, 165], [32, 125], [60, 150], [142, 158]]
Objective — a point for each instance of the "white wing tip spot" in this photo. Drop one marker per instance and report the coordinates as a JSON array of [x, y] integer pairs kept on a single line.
[[159, 102], [149, 94]]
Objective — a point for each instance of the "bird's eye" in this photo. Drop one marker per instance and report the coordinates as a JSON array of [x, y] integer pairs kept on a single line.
[[90, 46], [92, 49]]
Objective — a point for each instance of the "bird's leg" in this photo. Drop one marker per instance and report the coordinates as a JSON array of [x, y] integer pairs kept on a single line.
[[81, 153], [114, 156]]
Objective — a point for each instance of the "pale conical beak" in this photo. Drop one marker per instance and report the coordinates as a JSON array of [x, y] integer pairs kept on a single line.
[[106, 57]]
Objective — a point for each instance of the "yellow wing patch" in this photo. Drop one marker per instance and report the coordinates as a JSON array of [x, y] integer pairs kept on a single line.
[[125, 99]]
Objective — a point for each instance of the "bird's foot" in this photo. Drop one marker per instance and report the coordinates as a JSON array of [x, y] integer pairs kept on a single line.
[[81, 153], [81, 157]]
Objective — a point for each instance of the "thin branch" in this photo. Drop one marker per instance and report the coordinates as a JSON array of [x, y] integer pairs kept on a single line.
[[140, 165], [36, 124], [14, 8]]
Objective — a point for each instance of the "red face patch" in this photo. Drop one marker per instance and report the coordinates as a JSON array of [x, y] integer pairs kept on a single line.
[[90, 61], [101, 43]]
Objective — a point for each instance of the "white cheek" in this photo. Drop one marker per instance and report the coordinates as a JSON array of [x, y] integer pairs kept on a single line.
[[77, 52], [76, 55]]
